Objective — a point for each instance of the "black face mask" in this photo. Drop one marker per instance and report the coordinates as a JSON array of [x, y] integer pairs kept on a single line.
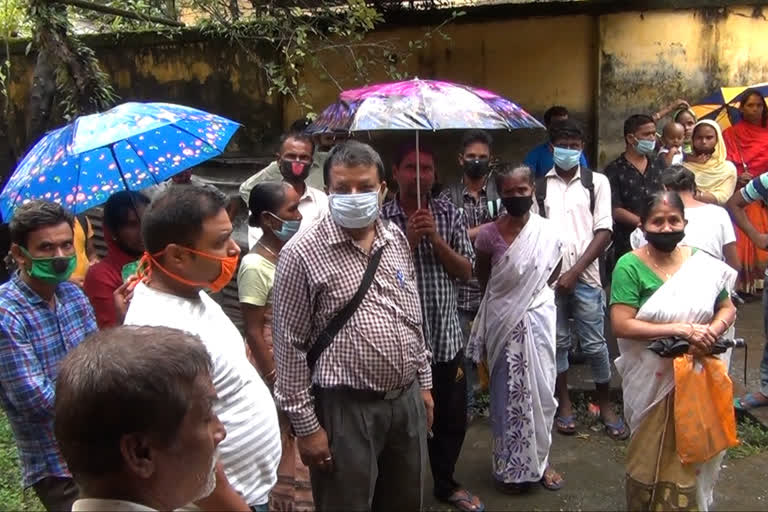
[[517, 206], [476, 168], [665, 242], [294, 171]]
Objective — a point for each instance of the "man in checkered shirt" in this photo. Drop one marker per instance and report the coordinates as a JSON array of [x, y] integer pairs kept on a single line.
[[42, 318], [361, 418], [443, 256]]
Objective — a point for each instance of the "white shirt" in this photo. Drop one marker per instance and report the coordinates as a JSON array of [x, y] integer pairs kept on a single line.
[[676, 159], [251, 451], [313, 206], [567, 204], [100, 505], [709, 228]]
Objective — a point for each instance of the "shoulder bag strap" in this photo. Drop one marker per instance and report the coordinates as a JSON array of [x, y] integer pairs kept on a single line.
[[337, 322]]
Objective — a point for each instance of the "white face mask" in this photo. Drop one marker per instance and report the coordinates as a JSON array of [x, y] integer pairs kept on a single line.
[[354, 211]]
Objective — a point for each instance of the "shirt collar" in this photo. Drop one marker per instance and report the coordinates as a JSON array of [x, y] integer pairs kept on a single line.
[[553, 173], [30, 294], [96, 504], [393, 208], [336, 235]]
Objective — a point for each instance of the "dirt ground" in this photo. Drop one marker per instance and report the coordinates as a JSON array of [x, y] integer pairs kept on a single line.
[[593, 465]]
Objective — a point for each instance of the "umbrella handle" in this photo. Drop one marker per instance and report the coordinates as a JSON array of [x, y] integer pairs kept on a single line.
[[418, 173]]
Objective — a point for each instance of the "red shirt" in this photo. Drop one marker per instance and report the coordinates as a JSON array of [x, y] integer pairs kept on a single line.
[[103, 279]]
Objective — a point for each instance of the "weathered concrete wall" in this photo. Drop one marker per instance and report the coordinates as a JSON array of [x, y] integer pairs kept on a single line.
[[192, 70], [649, 59], [536, 62]]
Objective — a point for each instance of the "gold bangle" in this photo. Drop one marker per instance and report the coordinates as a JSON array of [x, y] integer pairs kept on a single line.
[[725, 324]]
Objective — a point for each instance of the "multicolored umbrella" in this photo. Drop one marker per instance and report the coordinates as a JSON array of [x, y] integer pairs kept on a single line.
[[723, 104], [421, 105], [132, 146]]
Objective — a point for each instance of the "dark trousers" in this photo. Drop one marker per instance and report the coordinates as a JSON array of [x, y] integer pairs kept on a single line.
[[449, 391], [56, 494], [379, 452]]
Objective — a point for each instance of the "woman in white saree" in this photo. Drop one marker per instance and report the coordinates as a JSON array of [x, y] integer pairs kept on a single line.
[[514, 331], [658, 291]]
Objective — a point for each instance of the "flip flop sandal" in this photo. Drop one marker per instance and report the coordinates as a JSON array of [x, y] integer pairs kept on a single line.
[[566, 425], [617, 431], [551, 486], [747, 402], [466, 498]]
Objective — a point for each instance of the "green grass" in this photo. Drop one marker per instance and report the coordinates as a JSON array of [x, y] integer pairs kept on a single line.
[[753, 437], [12, 497]]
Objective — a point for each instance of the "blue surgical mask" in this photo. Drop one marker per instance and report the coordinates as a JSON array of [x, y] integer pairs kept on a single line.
[[645, 147], [354, 211], [566, 159], [287, 230]]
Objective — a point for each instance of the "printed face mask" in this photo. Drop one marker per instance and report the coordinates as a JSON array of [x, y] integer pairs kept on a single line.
[[50, 270]]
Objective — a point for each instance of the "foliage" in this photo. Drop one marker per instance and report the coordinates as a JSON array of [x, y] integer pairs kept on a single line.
[[13, 22], [308, 36], [93, 21], [12, 496], [753, 436], [83, 87]]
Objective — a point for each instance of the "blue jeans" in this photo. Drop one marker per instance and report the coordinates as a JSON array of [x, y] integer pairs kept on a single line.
[[586, 305], [260, 508], [470, 368]]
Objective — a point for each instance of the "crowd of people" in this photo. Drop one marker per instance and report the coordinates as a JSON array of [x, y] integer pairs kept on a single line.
[[375, 305]]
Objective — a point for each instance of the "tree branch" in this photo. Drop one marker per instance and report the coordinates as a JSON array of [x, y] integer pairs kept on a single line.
[[91, 6]]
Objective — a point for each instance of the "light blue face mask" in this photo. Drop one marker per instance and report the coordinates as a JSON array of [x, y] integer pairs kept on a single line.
[[354, 211], [566, 159], [645, 147], [288, 229]]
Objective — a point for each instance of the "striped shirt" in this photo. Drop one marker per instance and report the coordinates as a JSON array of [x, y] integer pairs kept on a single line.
[[438, 290], [251, 451], [756, 189], [34, 338], [380, 348]]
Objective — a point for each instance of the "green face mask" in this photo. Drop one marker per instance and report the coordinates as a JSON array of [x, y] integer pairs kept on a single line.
[[51, 270]]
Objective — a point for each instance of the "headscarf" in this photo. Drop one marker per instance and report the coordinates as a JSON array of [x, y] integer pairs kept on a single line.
[[717, 175]]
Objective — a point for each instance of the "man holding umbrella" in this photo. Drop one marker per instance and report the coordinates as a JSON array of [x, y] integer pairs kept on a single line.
[[442, 254]]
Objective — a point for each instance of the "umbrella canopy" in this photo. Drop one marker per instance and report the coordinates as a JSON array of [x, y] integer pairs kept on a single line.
[[722, 105], [132, 146], [421, 105]]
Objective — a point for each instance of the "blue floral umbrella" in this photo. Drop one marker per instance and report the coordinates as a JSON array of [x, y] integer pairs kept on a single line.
[[131, 147]]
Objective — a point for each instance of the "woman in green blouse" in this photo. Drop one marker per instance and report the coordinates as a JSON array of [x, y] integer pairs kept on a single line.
[[661, 290]]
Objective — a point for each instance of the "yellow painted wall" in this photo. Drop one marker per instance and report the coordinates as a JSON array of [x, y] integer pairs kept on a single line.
[[649, 59], [535, 62]]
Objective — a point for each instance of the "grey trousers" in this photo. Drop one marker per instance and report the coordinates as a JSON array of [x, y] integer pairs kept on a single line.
[[56, 494], [379, 450]]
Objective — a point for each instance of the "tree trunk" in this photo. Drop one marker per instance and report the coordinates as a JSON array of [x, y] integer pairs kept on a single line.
[[41, 97]]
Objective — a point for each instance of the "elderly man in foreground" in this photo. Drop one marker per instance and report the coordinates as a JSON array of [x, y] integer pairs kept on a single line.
[[134, 420]]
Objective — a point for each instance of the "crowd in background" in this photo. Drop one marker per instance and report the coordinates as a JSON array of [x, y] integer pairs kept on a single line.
[[375, 303]]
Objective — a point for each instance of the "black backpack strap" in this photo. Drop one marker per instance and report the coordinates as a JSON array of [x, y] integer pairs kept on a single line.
[[457, 195], [587, 180], [84, 222], [342, 317], [541, 194]]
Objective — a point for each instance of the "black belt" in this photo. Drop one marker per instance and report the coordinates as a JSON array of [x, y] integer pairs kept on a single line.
[[363, 394]]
